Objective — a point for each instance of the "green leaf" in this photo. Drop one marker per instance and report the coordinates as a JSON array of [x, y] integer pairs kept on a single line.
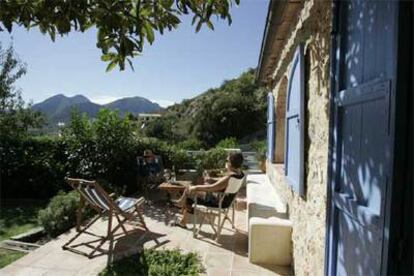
[[194, 19], [149, 31], [108, 57], [52, 35], [199, 24], [130, 64], [210, 25], [111, 65]]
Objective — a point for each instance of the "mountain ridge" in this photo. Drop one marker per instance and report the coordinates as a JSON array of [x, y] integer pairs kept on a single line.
[[58, 108]]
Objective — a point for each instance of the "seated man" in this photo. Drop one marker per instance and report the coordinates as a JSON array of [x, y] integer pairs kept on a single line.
[[149, 168], [205, 191]]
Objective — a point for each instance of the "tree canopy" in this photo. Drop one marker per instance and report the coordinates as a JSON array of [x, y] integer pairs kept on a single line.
[[15, 117], [123, 25], [235, 109]]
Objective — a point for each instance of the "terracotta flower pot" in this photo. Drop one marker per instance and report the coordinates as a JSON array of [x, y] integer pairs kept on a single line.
[[262, 166]]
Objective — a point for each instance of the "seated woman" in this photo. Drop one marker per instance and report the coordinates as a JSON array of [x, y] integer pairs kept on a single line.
[[205, 191]]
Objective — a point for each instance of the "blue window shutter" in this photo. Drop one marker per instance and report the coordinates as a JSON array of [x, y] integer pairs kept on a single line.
[[294, 128], [270, 127]]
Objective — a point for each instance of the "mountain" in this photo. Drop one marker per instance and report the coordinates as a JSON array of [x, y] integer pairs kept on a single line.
[[133, 105], [58, 108], [56, 104]]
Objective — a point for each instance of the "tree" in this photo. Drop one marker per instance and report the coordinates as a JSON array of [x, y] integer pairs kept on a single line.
[[15, 118], [235, 109], [161, 128], [123, 25]]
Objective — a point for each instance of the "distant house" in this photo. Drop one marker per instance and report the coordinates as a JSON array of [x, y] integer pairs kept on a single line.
[[340, 132], [148, 116], [144, 118]]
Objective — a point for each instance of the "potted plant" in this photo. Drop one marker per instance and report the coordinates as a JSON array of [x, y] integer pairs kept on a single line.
[[260, 148], [261, 157]]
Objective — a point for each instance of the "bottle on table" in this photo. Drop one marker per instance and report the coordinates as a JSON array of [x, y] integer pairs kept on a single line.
[[173, 175]]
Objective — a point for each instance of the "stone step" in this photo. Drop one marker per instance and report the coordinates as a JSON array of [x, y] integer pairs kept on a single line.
[[18, 246]]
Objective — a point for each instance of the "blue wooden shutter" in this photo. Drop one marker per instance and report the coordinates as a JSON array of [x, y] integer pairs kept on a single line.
[[270, 127], [294, 128]]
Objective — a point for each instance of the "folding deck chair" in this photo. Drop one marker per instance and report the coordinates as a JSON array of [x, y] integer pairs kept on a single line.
[[226, 202], [124, 209]]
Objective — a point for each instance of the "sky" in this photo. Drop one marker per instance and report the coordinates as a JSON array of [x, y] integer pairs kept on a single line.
[[178, 65]]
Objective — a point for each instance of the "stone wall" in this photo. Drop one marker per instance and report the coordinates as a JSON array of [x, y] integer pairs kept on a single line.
[[308, 213]]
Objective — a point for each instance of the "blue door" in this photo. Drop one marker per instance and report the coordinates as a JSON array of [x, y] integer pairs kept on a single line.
[[361, 136]]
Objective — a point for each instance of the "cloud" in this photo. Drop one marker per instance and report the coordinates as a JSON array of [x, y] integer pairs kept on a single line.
[[104, 99], [163, 103]]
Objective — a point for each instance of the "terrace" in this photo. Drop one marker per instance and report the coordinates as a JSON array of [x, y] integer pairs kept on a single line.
[[228, 256]]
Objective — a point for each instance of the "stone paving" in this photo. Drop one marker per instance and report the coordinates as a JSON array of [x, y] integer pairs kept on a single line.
[[226, 257]]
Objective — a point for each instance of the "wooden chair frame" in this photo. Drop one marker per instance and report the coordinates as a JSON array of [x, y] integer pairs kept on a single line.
[[131, 215], [212, 212]]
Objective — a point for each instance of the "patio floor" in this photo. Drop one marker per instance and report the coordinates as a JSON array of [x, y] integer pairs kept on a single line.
[[227, 257]]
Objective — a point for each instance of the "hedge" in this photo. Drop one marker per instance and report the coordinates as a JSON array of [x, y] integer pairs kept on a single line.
[[104, 149]]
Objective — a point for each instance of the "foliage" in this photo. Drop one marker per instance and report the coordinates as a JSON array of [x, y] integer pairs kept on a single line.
[[161, 128], [214, 158], [228, 143], [15, 118], [18, 216], [9, 256], [60, 213], [260, 148], [32, 167], [156, 262], [102, 149], [235, 109], [190, 144], [123, 26]]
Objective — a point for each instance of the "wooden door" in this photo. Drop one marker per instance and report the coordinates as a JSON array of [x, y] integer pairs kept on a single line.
[[363, 63]]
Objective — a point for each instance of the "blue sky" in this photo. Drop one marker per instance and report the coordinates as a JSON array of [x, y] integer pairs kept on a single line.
[[178, 65]]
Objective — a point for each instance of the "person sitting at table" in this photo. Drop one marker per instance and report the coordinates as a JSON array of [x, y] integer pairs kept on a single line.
[[205, 192], [149, 169]]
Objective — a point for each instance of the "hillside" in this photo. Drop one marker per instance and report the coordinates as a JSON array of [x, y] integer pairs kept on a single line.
[[58, 108], [234, 109]]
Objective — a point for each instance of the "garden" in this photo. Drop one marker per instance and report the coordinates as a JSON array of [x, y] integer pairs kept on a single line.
[[104, 149], [34, 165]]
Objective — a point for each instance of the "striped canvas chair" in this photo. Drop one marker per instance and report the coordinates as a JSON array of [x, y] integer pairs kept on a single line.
[[124, 210]]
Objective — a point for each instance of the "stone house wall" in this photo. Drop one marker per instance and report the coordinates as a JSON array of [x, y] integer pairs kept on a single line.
[[308, 213]]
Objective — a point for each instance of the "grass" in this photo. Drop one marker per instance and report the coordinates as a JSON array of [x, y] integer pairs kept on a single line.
[[16, 217], [9, 256], [156, 262]]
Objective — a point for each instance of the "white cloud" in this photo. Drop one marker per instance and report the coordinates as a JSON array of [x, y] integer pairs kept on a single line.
[[163, 103], [103, 99]]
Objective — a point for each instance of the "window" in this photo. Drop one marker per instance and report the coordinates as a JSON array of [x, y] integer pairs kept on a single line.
[[294, 123]]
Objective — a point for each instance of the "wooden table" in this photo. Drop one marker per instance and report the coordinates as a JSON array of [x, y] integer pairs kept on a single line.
[[178, 186]]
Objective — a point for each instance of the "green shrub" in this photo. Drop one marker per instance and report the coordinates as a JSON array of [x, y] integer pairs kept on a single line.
[[212, 159], [228, 143], [102, 149], [60, 213], [259, 146], [156, 262], [190, 144], [32, 167]]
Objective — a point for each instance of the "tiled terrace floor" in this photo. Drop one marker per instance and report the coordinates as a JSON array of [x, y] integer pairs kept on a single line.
[[227, 257]]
